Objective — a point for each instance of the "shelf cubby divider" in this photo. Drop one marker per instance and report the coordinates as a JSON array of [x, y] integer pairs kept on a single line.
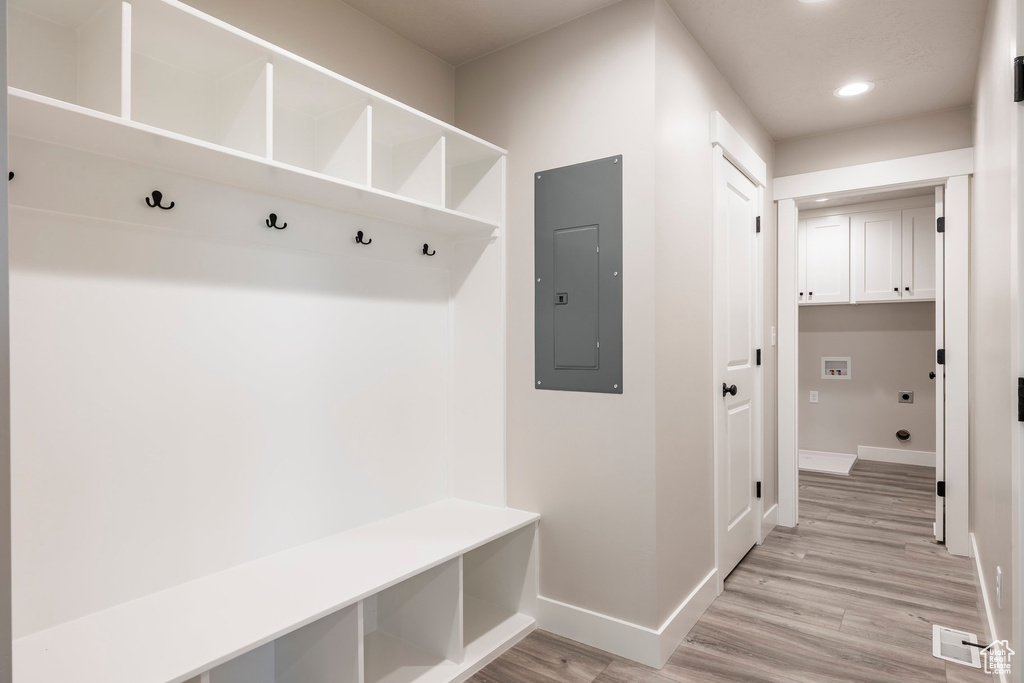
[[78, 54], [408, 155], [195, 78], [329, 649], [499, 591], [474, 178], [414, 628], [321, 123]]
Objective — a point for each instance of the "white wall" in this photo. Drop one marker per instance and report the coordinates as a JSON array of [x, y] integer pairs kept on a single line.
[[582, 91], [892, 348], [343, 39], [624, 483], [192, 390], [935, 132], [993, 294], [689, 88], [5, 382]]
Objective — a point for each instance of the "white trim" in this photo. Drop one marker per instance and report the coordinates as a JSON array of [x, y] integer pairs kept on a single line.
[[881, 175], [990, 624], [1016, 340], [787, 363], [957, 367], [769, 520], [718, 175], [621, 638], [923, 202], [896, 455], [737, 150], [940, 376], [926, 168]]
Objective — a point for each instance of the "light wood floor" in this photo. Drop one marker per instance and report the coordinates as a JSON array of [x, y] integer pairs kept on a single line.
[[849, 595]]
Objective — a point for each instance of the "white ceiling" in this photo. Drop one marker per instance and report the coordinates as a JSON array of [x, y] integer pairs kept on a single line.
[[458, 31], [783, 57]]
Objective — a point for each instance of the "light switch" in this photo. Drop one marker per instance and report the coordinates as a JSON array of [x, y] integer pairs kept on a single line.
[[814, 397]]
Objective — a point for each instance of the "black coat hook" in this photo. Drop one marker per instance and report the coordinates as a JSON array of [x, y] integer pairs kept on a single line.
[[428, 253], [157, 201], [272, 222], [360, 240], [10, 175]]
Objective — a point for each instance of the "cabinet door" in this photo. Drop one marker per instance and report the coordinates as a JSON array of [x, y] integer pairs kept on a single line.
[[877, 255], [801, 265], [827, 242], [919, 254]]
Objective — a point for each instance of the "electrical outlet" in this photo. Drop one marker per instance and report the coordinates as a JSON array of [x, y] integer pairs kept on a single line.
[[998, 587], [814, 397]]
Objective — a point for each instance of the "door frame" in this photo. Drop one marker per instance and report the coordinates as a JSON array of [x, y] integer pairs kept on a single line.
[[728, 146], [951, 169]]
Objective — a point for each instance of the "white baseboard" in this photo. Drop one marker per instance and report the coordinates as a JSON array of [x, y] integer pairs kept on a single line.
[[990, 623], [897, 455], [769, 520], [621, 638]]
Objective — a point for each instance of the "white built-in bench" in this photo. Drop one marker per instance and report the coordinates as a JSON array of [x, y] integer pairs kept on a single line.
[[429, 595]]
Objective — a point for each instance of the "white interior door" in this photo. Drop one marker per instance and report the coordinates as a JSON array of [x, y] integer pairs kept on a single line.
[[827, 244], [940, 370], [877, 239], [737, 331], [919, 262]]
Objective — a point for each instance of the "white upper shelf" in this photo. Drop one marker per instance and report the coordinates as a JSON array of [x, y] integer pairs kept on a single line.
[[189, 629], [159, 83], [42, 118]]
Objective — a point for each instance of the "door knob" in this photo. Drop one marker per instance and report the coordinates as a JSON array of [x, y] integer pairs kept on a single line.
[[931, 375], [728, 390]]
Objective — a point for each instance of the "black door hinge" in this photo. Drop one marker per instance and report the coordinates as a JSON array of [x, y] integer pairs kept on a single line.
[[1020, 399], [759, 356], [940, 489], [758, 489], [940, 356], [757, 224], [1018, 79], [940, 224]]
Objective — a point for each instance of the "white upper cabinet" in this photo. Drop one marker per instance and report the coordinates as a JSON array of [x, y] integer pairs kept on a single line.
[[919, 254], [867, 256], [827, 257], [877, 255]]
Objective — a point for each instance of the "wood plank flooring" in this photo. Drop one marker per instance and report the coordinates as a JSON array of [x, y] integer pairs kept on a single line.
[[848, 595]]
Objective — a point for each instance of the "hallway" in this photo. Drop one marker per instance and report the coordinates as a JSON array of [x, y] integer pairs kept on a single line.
[[849, 595]]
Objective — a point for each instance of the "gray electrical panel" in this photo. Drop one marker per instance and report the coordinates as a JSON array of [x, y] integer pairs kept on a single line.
[[578, 251]]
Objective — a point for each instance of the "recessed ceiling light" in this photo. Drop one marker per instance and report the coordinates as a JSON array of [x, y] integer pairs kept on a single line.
[[853, 89], [823, 199]]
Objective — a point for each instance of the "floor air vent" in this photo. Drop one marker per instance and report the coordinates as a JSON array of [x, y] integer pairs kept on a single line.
[[948, 644]]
